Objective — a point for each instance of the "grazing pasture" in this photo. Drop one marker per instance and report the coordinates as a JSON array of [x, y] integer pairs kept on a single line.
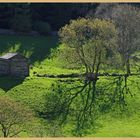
[[33, 92]]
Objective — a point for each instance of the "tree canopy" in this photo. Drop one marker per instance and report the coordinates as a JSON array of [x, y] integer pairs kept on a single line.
[[13, 117], [90, 40], [127, 19]]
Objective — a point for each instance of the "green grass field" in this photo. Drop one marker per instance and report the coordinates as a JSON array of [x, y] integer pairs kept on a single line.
[[33, 90]]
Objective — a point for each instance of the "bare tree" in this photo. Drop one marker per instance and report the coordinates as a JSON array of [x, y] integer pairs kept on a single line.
[[127, 21]]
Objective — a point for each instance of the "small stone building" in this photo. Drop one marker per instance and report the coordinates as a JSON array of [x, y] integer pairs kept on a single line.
[[14, 64]]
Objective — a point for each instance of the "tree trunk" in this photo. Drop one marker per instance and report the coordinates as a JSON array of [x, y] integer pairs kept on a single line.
[[4, 134], [128, 67], [4, 130]]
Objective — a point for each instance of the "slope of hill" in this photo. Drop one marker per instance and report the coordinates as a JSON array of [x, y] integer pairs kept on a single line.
[[32, 91]]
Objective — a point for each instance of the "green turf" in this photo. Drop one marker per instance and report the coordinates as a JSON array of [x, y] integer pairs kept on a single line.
[[36, 48], [32, 90]]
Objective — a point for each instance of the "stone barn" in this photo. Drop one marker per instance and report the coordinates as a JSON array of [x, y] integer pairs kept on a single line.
[[14, 64]]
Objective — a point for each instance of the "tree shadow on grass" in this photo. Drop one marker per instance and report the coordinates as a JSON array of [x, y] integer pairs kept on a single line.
[[35, 48], [7, 83]]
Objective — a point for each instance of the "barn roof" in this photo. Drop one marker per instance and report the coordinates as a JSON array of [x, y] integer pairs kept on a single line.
[[8, 55]]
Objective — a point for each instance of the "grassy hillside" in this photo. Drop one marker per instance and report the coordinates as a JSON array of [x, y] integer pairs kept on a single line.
[[36, 48], [32, 91]]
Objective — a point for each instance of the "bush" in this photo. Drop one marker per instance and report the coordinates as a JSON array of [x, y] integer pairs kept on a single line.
[[42, 27]]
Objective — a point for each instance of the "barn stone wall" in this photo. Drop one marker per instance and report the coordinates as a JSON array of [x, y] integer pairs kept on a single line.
[[19, 67], [4, 67], [16, 66]]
